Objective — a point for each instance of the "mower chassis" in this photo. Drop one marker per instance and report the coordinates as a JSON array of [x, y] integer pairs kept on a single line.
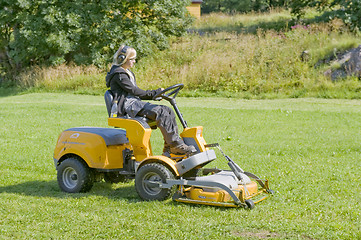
[[184, 182], [237, 202], [203, 158]]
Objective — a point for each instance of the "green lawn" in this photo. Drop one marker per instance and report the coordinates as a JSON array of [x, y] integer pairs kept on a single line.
[[309, 149]]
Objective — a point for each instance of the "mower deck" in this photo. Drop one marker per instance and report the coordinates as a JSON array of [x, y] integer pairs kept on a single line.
[[222, 188]]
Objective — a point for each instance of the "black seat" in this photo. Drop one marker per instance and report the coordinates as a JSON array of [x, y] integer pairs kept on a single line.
[[111, 136], [108, 97]]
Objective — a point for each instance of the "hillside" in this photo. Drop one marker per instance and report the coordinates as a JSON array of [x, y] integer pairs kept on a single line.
[[247, 56]]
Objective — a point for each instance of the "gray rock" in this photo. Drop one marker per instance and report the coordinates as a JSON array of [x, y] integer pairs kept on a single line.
[[349, 62]]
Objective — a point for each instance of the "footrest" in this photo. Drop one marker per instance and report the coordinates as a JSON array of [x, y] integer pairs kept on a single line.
[[194, 161]]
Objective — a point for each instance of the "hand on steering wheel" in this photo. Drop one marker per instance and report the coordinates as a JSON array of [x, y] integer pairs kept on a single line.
[[169, 96]]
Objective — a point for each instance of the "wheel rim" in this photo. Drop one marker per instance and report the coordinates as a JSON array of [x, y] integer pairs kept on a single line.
[[70, 177], [150, 185]]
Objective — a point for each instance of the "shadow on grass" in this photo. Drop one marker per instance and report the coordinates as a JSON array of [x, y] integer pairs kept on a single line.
[[52, 190], [201, 206], [10, 91], [127, 192]]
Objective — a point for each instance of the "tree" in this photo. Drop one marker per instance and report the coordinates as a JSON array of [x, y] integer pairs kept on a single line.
[[84, 31], [347, 10], [232, 6]]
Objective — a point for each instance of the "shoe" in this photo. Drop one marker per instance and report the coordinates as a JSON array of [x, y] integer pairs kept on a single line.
[[183, 149], [166, 150]]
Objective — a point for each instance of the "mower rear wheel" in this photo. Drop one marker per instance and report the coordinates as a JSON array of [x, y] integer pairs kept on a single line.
[[74, 176], [147, 182]]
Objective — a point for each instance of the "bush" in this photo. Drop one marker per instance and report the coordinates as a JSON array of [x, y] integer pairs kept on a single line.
[[237, 6], [261, 64], [347, 10], [55, 32]]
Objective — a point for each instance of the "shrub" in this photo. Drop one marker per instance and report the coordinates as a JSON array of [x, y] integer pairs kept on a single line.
[[347, 10], [55, 32]]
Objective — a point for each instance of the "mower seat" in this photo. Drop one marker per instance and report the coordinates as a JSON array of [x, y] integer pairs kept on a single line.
[[146, 122]]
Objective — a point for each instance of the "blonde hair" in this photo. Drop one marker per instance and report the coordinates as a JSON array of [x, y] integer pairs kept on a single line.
[[129, 53]]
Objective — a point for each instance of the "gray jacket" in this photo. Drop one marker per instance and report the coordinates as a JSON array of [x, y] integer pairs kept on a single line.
[[124, 91]]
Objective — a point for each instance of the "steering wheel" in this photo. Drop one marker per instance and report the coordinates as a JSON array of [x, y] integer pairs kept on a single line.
[[169, 96]]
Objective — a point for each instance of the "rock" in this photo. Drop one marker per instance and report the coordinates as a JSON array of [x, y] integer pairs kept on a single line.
[[305, 56], [349, 62], [353, 66]]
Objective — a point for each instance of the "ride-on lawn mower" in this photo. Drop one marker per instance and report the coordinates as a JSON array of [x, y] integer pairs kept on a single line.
[[84, 155]]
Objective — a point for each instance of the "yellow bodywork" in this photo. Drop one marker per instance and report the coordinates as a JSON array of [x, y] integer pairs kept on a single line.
[[161, 159], [95, 152], [196, 135], [91, 148], [219, 197], [215, 195], [139, 136]]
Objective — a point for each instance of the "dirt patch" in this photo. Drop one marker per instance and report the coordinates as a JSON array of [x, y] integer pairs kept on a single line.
[[259, 234], [263, 234]]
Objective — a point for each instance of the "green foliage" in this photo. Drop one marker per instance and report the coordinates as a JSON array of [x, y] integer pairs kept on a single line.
[[238, 60], [347, 10], [252, 63], [85, 32], [279, 20], [234, 6]]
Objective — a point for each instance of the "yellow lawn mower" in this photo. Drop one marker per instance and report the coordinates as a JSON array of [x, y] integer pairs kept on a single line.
[[84, 155]]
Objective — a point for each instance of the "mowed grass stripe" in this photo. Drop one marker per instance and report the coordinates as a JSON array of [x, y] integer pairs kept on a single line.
[[309, 149]]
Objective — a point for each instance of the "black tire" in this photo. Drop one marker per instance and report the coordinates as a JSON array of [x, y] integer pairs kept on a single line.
[[74, 176], [153, 172], [250, 204], [114, 177]]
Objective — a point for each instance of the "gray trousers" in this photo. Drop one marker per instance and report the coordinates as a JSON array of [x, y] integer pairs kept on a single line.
[[166, 122]]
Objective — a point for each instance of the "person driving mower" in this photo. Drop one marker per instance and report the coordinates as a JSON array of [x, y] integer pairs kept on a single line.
[[128, 97]]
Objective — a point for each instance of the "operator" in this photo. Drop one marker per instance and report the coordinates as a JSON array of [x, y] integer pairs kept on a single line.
[[123, 85]]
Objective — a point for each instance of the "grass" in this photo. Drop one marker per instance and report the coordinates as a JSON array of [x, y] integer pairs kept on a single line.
[[278, 19], [308, 148]]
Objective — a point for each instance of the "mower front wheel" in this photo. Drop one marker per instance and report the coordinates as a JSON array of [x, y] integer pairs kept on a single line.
[[74, 176], [147, 182], [249, 204]]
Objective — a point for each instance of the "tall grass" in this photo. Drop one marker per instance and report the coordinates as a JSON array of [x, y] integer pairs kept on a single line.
[[63, 77], [251, 56], [264, 64], [245, 23]]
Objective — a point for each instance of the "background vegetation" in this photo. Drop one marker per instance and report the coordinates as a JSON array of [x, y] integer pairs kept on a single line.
[[38, 33], [308, 148], [234, 6], [244, 55], [251, 55], [347, 10]]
